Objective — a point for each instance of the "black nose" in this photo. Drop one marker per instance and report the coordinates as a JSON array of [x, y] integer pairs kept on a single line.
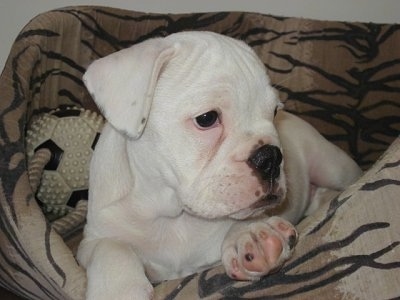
[[267, 160]]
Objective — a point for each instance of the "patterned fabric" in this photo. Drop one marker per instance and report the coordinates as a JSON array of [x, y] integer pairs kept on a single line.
[[344, 78]]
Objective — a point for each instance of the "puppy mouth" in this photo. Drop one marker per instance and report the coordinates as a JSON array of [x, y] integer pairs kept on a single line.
[[272, 198], [259, 207], [269, 200]]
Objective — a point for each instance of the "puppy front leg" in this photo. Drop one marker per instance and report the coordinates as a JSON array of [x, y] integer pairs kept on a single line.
[[116, 272], [328, 165], [253, 249]]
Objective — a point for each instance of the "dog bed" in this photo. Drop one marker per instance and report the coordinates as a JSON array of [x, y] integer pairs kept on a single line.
[[344, 78]]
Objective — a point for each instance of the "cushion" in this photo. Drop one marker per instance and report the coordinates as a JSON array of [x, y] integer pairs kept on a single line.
[[342, 77]]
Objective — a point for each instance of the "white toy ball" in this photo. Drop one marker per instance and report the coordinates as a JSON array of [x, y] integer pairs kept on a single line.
[[70, 134]]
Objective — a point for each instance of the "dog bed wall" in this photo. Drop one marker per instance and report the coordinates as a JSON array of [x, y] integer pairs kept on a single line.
[[342, 77]]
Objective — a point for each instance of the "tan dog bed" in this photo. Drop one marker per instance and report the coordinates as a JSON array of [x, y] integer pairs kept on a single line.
[[344, 78]]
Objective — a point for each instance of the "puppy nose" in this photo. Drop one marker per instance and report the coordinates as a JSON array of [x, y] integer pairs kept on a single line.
[[267, 160]]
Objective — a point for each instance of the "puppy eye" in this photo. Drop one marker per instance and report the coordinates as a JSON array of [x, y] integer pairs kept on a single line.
[[207, 119], [275, 111]]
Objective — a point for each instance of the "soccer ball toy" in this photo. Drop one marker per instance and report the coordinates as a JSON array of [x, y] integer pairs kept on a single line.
[[70, 135]]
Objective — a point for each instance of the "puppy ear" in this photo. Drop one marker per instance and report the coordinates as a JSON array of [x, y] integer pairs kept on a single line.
[[123, 83]]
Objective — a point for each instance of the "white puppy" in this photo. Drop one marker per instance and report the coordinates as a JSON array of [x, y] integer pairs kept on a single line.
[[188, 163]]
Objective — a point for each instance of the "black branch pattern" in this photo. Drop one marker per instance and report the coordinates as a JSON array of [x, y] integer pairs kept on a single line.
[[361, 106]]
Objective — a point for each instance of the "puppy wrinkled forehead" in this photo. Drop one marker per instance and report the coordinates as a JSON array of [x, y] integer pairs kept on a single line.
[[222, 52], [209, 67]]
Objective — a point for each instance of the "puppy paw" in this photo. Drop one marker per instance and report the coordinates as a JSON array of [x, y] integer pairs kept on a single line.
[[258, 248]]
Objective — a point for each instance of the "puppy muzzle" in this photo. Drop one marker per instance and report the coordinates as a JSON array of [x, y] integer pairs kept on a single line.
[[266, 162]]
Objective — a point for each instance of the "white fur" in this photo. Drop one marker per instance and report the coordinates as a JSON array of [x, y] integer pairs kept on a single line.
[[166, 197]]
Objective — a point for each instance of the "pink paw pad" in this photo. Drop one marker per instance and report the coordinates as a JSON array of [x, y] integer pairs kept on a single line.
[[262, 249]]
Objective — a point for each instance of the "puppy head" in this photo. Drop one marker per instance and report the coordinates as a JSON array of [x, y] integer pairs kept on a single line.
[[209, 135]]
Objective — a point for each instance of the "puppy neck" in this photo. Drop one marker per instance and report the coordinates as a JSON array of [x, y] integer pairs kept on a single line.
[[153, 190]]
